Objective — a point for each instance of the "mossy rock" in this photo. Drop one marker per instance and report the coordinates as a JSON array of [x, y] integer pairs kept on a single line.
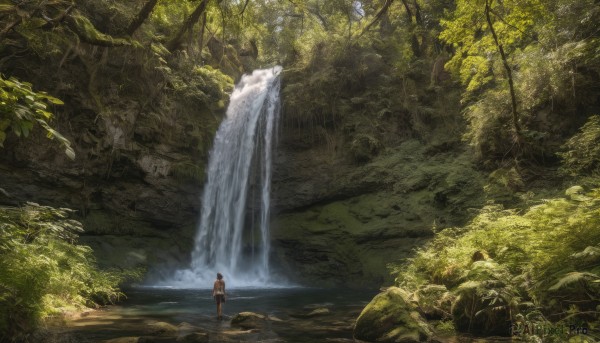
[[390, 317]]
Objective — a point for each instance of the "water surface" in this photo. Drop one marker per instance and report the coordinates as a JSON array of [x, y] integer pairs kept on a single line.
[[145, 306]]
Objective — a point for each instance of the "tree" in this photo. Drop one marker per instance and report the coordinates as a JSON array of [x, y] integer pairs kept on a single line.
[[141, 16], [513, 98], [378, 16], [418, 21], [177, 40], [482, 30], [48, 15]]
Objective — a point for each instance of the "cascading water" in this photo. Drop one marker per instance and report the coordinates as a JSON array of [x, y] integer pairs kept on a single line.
[[239, 167]]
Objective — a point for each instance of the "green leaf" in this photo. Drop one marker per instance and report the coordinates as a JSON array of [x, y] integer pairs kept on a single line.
[[70, 152], [6, 8], [17, 130], [54, 100], [4, 124], [574, 277], [26, 127], [45, 114]]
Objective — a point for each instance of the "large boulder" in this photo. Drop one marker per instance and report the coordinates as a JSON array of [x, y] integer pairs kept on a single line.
[[390, 317]]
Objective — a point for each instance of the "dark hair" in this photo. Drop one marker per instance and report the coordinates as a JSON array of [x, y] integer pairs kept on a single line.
[[219, 276]]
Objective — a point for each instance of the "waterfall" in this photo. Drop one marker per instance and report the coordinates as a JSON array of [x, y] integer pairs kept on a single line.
[[238, 178]]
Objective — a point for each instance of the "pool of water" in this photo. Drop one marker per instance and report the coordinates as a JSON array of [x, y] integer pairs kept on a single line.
[[290, 306]]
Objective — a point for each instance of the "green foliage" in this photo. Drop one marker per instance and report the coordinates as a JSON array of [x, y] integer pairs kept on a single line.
[[582, 151], [548, 255], [168, 15], [198, 86], [87, 32], [467, 30], [364, 148], [489, 124], [43, 270], [554, 61], [574, 278], [21, 108]]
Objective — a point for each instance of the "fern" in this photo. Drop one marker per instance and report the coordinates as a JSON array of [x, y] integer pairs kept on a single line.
[[591, 254], [44, 271], [581, 153], [543, 259], [574, 277]]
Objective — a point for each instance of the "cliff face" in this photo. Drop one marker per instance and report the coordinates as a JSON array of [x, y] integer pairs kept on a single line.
[[366, 166], [341, 224], [365, 179], [141, 130]]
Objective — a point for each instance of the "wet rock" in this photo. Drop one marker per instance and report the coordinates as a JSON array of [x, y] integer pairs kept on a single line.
[[189, 333], [123, 340], [155, 339], [251, 335], [390, 317], [314, 313], [275, 319], [318, 312], [249, 320], [161, 329], [187, 328], [194, 337]]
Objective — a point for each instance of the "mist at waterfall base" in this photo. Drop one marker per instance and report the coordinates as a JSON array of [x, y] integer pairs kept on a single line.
[[238, 178]]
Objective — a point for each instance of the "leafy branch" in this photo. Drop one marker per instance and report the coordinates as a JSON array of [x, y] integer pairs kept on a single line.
[[21, 108]]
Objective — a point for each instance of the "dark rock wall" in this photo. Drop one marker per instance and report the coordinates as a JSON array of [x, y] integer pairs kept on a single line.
[[341, 224], [140, 142], [363, 176]]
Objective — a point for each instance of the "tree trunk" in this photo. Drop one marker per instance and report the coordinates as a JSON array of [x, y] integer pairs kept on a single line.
[[177, 40], [9, 27], [414, 40], [513, 98], [418, 16], [87, 33], [378, 16], [408, 10], [141, 17], [201, 38]]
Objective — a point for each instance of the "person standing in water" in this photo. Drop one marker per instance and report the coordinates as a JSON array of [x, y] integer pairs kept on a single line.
[[219, 294]]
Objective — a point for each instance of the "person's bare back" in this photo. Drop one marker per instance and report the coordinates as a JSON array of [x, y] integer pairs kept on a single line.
[[219, 294]]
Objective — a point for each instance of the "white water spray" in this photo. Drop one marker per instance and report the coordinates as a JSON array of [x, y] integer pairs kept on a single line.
[[239, 164]]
